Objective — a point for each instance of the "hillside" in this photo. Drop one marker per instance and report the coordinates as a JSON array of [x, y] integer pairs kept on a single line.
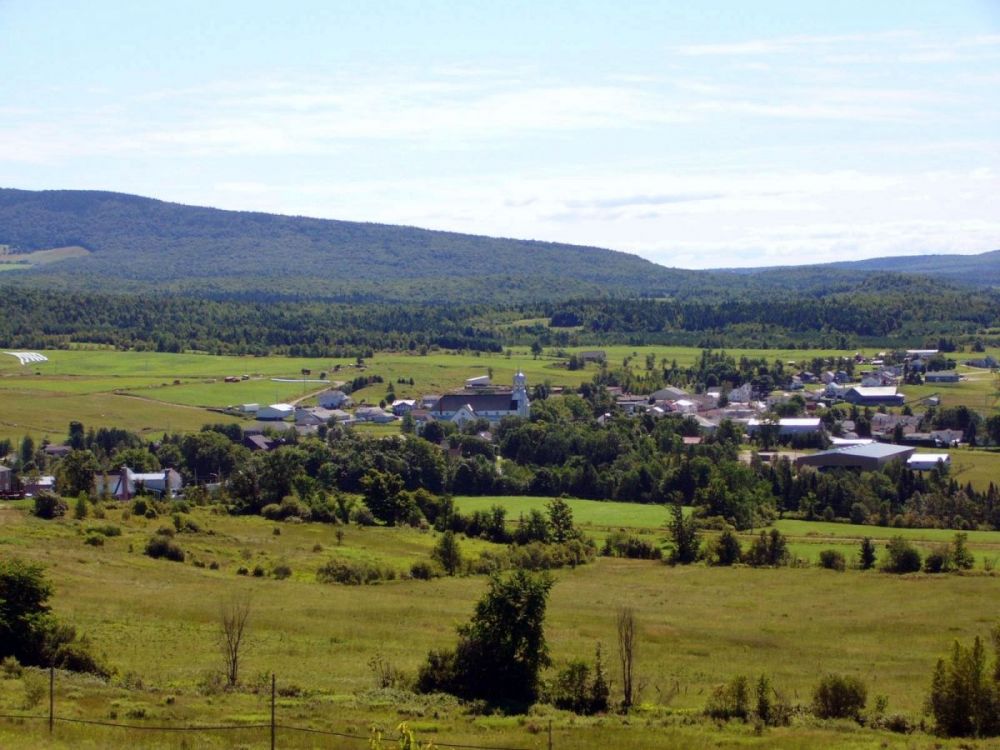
[[137, 242], [981, 270]]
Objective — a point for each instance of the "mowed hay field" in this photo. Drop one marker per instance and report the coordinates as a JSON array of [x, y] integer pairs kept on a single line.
[[157, 623]]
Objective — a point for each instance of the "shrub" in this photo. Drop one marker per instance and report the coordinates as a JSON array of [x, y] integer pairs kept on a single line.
[[832, 559], [167, 531], [730, 701], [49, 506], [288, 508], [11, 668], [580, 689], [163, 546], [281, 571], [726, 549], [447, 553], [363, 517], [258, 571], [839, 697], [94, 540], [938, 560], [866, 558], [961, 557], [622, 544], [901, 557], [108, 530], [185, 524], [81, 507], [423, 571], [242, 571], [353, 573], [139, 507], [769, 549]]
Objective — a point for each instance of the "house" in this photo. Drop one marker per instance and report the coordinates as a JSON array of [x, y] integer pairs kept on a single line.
[[316, 415], [333, 399], [57, 451], [402, 406], [494, 406], [788, 426], [596, 355], [6, 480], [275, 412], [685, 406], [373, 414], [34, 485], [669, 393], [880, 396], [480, 381], [741, 395], [927, 461], [871, 457], [126, 484], [632, 404], [428, 401], [942, 376], [258, 442]]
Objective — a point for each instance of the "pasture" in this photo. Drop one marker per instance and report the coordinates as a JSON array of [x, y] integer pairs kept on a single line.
[[156, 622]]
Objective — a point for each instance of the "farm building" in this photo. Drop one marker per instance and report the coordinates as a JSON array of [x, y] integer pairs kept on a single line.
[[880, 396], [373, 414], [126, 483], [945, 376], [927, 461], [480, 381], [275, 412], [35, 485], [871, 457], [6, 479]]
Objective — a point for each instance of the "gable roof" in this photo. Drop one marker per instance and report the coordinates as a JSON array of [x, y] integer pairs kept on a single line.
[[478, 402]]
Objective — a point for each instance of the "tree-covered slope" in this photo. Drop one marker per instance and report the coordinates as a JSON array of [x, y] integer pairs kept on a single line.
[[136, 242]]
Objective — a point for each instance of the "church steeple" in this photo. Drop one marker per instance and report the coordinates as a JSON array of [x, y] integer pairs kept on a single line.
[[520, 395]]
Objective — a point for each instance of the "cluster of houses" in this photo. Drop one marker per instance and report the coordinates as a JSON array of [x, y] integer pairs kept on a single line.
[[479, 399]]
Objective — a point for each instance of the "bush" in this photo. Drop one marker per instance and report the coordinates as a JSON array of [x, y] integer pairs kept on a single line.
[[938, 560], [107, 530], [769, 549], [832, 559], [363, 517], [94, 540], [49, 506], [281, 571], [11, 668], [580, 689], [167, 531], [81, 507], [424, 571], [353, 573], [901, 557], [258, 571], [289, 508], [730, 701], [242, 571], [622, 544], [839, 697], [163, 546], [726, 549]]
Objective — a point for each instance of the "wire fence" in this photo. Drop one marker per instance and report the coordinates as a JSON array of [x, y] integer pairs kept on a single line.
[[271, 729]]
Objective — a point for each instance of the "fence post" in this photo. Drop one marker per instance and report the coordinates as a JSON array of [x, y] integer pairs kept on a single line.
[[550, 734], [272, 710], [52, 696]]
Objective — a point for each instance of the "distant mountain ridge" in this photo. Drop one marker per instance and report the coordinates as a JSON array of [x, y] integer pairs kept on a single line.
[[115, 242], [975, 270], [136, 242]]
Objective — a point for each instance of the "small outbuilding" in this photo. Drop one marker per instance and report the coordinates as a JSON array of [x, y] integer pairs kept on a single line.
[[927, 461], [275, 412]]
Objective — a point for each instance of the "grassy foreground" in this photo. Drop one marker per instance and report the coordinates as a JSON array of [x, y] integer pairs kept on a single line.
[[156, 622]]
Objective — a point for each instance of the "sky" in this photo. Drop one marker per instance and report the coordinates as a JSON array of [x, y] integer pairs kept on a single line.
[[695, 134]]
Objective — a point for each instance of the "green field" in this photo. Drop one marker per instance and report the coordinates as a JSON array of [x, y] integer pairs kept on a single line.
[[156, 623]]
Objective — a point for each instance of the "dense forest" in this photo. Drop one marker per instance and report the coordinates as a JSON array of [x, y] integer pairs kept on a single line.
[[885, 311]]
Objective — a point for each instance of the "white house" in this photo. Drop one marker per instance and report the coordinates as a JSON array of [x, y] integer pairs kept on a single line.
[[333, 399], [741, 395], [403, 406], [480, 381], [275, 412]]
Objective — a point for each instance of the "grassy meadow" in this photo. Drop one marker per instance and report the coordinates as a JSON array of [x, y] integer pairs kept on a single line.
[[156, 622]]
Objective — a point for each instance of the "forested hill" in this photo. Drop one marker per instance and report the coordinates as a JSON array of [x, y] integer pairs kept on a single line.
[[976, 270], [137, 244]]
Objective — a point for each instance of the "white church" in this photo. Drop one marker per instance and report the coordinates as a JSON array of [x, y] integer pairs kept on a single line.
[[492, 405]]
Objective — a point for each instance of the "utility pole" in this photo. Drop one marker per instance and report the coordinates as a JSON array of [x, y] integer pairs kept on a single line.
[[52, 696], [272, 710]]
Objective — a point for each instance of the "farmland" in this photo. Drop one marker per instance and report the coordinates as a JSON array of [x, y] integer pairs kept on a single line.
[[155, 621]]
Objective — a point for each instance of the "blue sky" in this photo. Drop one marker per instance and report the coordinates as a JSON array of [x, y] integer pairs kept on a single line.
[[696, 134]]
